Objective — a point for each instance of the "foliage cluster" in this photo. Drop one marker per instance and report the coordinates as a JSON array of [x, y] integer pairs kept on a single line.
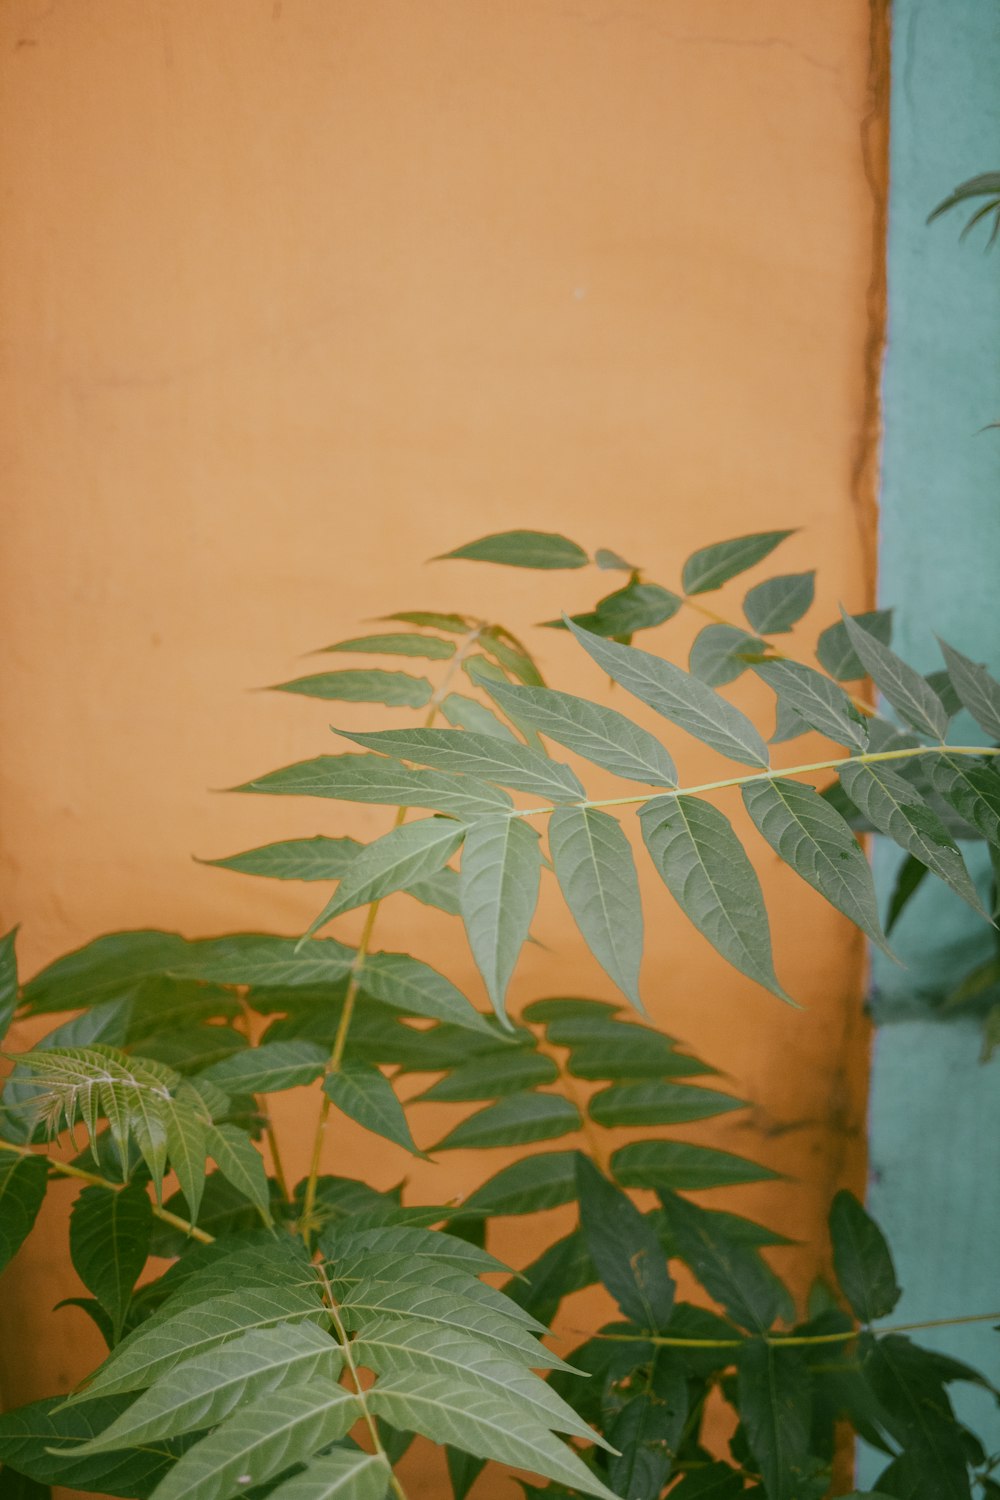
[[303, 1333]]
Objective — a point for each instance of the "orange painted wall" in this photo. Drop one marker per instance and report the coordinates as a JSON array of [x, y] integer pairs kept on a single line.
[[297, 293]]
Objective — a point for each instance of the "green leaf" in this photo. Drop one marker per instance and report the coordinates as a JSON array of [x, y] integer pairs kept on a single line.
[[897, 809], [439, 1246], [238, 1159], [400, 858], [714, 1482], [418, 990], [8, 980], [918, 1414], [20, 1487], [463, 1471], [637, 606], [206, 1389], [397, 689], [340, 1474], [625, 1250], [364, 1093], [492, 1076], [186, 1149], [269, 1068], [775, 606], [397, 645], [612, 562], [601, 735], [977, 690], [191, 1048], [908, 880], [318, 858], [35, 1439], [721, 653], [814, 840], [498, 893], [522, 549], [484, 755], [537, 1182], [679, 697], [705, 869], [376, 778], [835, 653], [262, 1439], [731, 1270], [775, 1406], [484, 1423], [23, 1180], [972, 788], [597, 876], [647, 1432], [453, 624], [658, 1103], [862, 1260], [258, 959], [109, 1236], [910, 695], [816, 700], [515, 1121], [103, 970], [511, 656], [681, 1167], [466, 713], [710, 567]]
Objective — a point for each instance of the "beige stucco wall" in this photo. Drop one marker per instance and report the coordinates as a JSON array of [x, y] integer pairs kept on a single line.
[[296, 293]]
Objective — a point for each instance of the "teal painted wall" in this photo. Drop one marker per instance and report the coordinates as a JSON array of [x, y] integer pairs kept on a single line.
[[935, 1111]]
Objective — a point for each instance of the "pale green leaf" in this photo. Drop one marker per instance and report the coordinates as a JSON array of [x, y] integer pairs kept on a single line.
[[609, 561], [262, 1439], [911, 695], [204, 1390], [23, 1181], [466, 713], [597, 876], [186, 1148], [364, 1093], [816, 700], [341, 1240], [318, 858], [498, 893], [976, 689], [514, 1121], [397, 689], [897, 809], [269, 1068], [431, 620], [483, 755], [418, 990], [680, 697], [341, 1474], [258, 959], [109, 1234], [683, 1168], [376, 778], [835, 653], [710, 567], [705, 868], [238, 1159], [814, 840], [522, 549], [400, 858], [429, 646], [537, 1182], [657, 1102], [774, 607], [721, 653], [601, 735], [511, 656]]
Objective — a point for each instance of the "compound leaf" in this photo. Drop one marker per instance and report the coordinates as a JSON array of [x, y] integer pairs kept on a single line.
[[485, 755], [597, 876], [400, 858]]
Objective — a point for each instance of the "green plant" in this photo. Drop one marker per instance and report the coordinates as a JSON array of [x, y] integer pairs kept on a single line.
[[240, 1370]]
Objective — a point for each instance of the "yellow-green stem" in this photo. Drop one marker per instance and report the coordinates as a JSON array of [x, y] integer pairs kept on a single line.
[[790, 1340]]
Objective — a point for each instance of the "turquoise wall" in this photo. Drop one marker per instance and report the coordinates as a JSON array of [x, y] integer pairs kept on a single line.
[[935, 1110]]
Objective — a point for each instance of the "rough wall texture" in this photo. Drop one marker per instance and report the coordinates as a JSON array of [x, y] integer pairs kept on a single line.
[[298, 293]]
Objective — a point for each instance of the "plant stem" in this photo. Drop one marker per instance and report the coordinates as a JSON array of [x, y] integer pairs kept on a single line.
[[345, 1344], [790, 1340], [869, 758], [69, 1170]]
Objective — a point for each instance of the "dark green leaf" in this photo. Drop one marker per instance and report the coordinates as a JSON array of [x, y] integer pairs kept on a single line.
[[563, 1268], [8, 980], [514, 1121], [774, 606], [27, 1435], [597, 876], [862, 1260], [897, 809], [624, 1249], [705, 868], [416, 989], [730, 1269], [376, 778], [775, 1410], [972, 788], [908, 880], [258, 959], [396, 645], [976, 689], [645, 1432], [109, 1235], [681, 1167], [817, 701], [492, 1076], [910, 695], [104, 969], [20, 1487], [813, 839], [239, 1160], [484, 755], [522, 549], [398, 689], [537, 1182], [713, 1482], [463, 1471], [918, 1415], [721, 653], [835, 653], [679, 697], [269, 1068], [710, 567], [658, 1103], [365, 1094], [498, 893], [638, 606], [22, 1188], [399, 859]]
